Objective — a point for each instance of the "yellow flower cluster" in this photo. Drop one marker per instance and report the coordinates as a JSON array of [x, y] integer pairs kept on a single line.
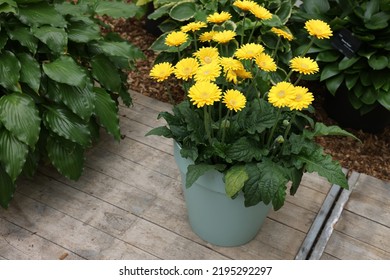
[[285, 94], [258, 11]]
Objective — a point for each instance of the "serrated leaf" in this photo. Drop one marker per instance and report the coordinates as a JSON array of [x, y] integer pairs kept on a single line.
[[41, 13], [117, 9], [66, 157], [13, 154], [30, 72], [9, 71], [20, 116], [321, 129], [245, 150], [7, 188], [66, 124], [107, 112], [160, 131], [66, 70], [55, 38], [279, 198], [323, 164], [271, 180], [24, 36], [194, 171], [235, 179], [106, 73]]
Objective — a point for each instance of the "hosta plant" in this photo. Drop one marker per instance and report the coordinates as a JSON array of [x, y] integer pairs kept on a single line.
[[60, 80], [363, 67], [237, 118]]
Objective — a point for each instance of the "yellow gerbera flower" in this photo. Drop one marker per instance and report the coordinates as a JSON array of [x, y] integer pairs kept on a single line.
[[207, 55], [243, 74], [186, 68], [260, 12], [318, 28], [281, 94], [282, 33], [193, 26], [161, 71], [208, 72], [204, 93], [224, 37], [244, 5], [303, 98], [219, 17], [304, 65], [229, 63], [231, 76], [266, 62], [234, 100], [207, 36], [176, 38], [249, 51]]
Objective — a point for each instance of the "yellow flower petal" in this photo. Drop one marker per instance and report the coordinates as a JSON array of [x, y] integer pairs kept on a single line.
[[161, 71], [281, 94], [224, 37], [318, 28], [219, 17], [204, 93], [176, 38], [249, 51], [303, 98], [234, 100], [282, 33], [207, 55], [304, 65], [265, 62], [186, 68]]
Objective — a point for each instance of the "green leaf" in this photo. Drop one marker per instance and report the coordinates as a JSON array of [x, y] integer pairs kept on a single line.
[[279, 198], [41, 13], [81, 32], [8, 6], [66, 157], [66, 70], [20, 116], [106, 73], [334, 83], [159, 45], [160, 131], [30, 72], [272, 178], [378, 21], [55, 38], [160, 11], [107, 112], [7, 188], [194, 171], [24, 36], [66, 124], [316, 7], [378, 62], [13, 154], [235, 179], [323, 164], [328, 56], [123, 49], [348, 62], [246, 150], [79, 100], [9, 71], [116, 9], [31, 164], [183, 11], [321, 129], [296, 178], [384, 99], [70, 8], [329, 71], [350, 81]]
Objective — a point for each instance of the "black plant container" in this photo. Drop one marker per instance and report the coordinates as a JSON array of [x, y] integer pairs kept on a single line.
[[151, 26], [340, 109]]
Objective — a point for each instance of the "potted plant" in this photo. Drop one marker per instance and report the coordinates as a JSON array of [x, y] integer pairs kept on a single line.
[[356, 61], [243, 132], [60, 81]]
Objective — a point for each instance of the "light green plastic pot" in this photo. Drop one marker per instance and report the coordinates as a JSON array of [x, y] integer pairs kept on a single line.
[[214, 216]]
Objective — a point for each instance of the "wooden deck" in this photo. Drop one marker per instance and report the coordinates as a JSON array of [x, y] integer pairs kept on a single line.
[[128, 205]]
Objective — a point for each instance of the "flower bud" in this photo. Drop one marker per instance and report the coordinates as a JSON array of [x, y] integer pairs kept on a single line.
[[279, 139], [286, 123]]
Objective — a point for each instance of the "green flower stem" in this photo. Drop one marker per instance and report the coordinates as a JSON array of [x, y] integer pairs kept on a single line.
[[224, 128], [178, 52], [206, 125], [253, 30], [308, 47], [271, 135], [287, 131], [276, 48], [297, 81], [243, 29], [195, 42]]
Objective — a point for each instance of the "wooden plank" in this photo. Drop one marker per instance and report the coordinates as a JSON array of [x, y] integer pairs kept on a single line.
[[370, 199], [153, 103], [323, 239], [17, 243], [72, 234], [318, 223], [328, 257], [316, 182], [308, 197], [364, 230], [345, 247]]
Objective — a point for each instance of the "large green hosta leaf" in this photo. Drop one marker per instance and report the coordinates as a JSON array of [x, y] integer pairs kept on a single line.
[[66, 124], [80, 101], [41, 13], [55, 38], [107, 112], [7, 188], [122, 49], [20, 116], [106, 73], [8, 6], [30, 73], [66, 156], [9, 71], [66, 70], [116, 9], [81, 32], [24, 37], [13, 153]]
